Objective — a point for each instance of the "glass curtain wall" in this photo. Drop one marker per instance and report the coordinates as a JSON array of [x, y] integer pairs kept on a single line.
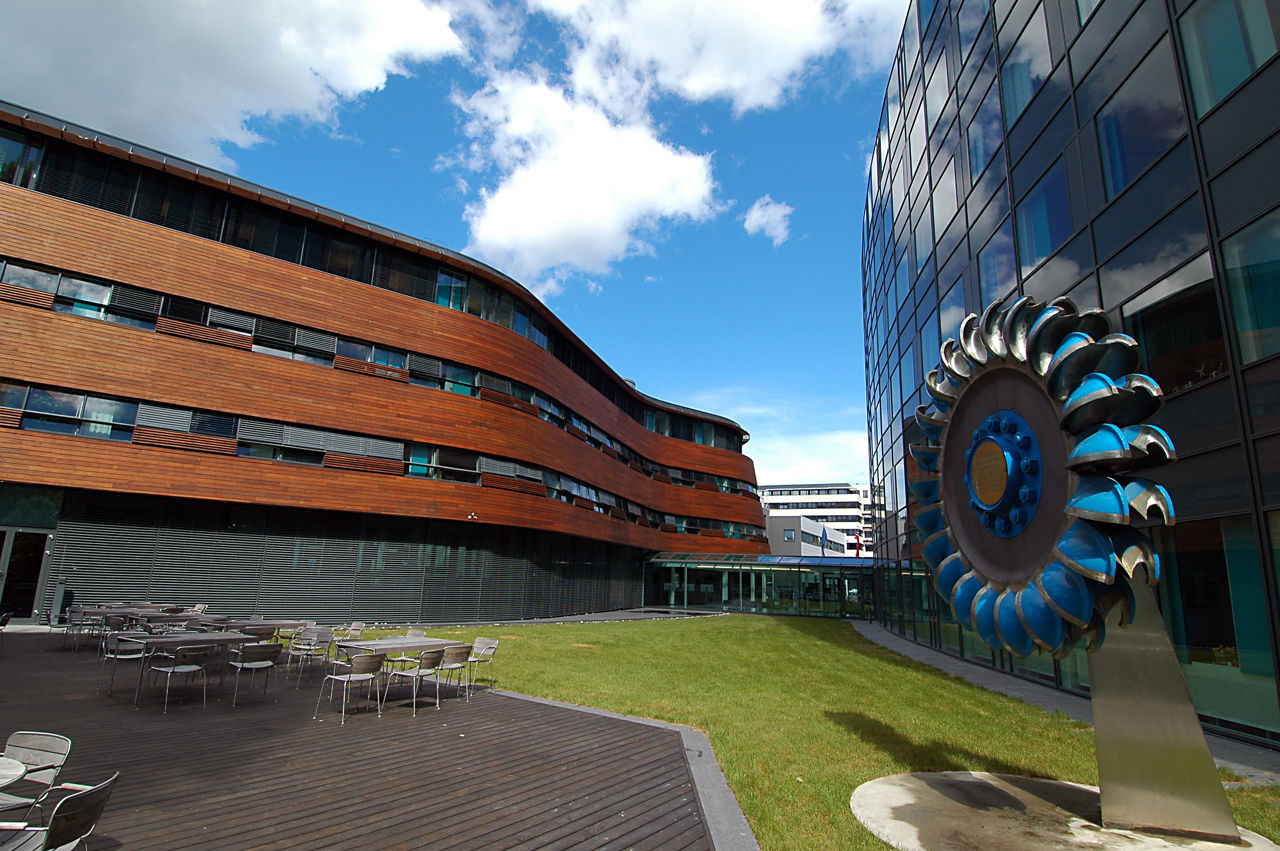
[[1120, 153]]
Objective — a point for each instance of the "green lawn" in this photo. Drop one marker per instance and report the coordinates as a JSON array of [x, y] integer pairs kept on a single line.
[[800, 711]]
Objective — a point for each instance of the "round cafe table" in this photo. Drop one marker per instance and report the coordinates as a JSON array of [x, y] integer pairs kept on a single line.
[[11, 771]]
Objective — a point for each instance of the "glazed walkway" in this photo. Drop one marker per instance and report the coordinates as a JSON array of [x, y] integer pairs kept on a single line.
[[499, 771]]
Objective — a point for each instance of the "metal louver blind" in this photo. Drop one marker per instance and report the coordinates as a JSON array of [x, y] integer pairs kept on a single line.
[[304, 438], [135, 301], [315, 341], [421, 365], [258, 431], [273, 331], [231, 319], [390, 449], [524, 471], [160, 416], [346, 444], [185, 309], [493, 382], [501, 468]]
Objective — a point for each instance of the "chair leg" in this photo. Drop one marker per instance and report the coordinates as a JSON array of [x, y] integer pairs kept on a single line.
[[167, 678], [316, 715]]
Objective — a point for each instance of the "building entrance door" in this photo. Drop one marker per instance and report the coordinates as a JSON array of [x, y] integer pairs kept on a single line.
[[21, 561]]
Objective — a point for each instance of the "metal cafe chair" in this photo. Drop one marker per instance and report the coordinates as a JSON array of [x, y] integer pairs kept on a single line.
[[72, 820], [190, 660], [43, 754], [428, 666], [361, 669], [254, 658], [481, 654], [455, 662], [309, 644], [119, 647]]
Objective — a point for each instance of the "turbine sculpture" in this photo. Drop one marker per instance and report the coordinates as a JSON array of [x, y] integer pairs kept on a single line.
[[1033, 454], [1031, 448]]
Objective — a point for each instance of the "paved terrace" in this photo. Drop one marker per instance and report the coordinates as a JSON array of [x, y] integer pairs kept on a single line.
[[499, 771]]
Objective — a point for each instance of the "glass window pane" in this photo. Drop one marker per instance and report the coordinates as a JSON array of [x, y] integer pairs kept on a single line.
[[985, 134], [1141, 121], [935, 95], [352, 349], [32, 279], [1225, 41], [88, 291], [1178, 329], [1044, 219], [945, 199], [969, 22], [54, 402], [1084, 8], [13, 395], [389, 357], [996, 273], [1215, 607], [1253, 279], [1027, 68], [101, 410]]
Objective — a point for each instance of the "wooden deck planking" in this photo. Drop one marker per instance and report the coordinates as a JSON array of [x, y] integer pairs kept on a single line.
[[495, 772]]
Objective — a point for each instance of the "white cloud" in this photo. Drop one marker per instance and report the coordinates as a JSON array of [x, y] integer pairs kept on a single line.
[[594, 287], [578, 190], [869, 31], [770, 217], [185, 77], [793, 457], [750, 52]]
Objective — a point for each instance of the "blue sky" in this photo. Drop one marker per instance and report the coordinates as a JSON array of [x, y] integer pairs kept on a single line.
[[681, 182]]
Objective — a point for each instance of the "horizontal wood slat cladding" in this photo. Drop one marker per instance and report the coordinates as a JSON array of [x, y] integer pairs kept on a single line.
[[489, 480], [75, 462], [368, 465], [85, 354], [22, 295], [10, 418], [218, 336], [183, 440], [510, 401], [366, 368], [50, 230]]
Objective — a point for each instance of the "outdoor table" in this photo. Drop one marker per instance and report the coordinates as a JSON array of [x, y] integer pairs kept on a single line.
[[398, 644], [276, 624], [174, 640], [11, 771]]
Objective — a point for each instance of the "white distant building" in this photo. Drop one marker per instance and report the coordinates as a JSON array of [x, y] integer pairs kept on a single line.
[[845, 510]]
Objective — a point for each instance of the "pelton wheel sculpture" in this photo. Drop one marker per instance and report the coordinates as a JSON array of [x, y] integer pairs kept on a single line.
[[1033, 454], [1031, 445]]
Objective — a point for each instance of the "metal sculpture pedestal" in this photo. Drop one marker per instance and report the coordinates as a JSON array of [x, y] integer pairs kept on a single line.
[[1155, 771]]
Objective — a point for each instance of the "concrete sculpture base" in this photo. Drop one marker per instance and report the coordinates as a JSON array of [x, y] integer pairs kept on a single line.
[[957, 810]]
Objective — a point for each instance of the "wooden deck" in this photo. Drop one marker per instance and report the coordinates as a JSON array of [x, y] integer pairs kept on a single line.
[[496, 772]]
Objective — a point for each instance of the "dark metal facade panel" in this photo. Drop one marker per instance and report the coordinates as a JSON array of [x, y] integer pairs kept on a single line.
[[332, 567], [135, 301], [231, 319]]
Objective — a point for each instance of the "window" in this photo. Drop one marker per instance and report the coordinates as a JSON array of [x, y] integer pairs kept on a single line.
[[287, 454], [1141, 121], [1044, 219], [1084, 8], [945, 199], [935, 95], [444, 463], [79, 414], [1177, 328], [1225, 41], [1026, 69], [1253, 278], [985, 134], [996, 275], [451, 290], [459, 379], [969, 21], [789, 535]]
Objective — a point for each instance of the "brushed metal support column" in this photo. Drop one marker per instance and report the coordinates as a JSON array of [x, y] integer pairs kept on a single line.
[[1155, 771]]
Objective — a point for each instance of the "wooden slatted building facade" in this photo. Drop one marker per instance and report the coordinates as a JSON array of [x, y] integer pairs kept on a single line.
[[211, 392]]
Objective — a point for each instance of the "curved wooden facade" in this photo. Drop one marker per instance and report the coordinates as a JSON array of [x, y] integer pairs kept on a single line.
[[653, 492]]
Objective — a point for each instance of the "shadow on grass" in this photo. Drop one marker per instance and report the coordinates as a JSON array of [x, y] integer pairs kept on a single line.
[[916, 755]]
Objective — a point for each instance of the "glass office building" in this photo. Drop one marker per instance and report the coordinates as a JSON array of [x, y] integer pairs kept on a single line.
[[1122, 153]]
